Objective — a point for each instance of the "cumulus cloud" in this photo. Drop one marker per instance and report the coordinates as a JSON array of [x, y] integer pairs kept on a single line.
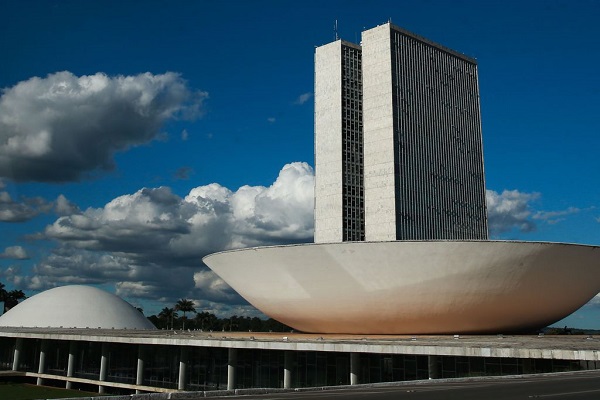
[[26, 208], [62, 206], [214, 287], [15, 252], [60, 127], [150, 243], [510, 210], [23, 209], [303, 98]]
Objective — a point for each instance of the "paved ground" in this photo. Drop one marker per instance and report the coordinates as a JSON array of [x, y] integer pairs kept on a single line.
[[571, 386]]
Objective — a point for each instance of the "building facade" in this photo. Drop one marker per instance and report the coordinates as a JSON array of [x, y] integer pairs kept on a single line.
[[398, 148], [339, 190], [129, 361]]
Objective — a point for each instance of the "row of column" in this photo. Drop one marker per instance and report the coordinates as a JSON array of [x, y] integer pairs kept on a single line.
[[183, 360], [70, 363]]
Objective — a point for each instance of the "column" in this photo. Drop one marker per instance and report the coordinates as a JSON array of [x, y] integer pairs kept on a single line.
[[432, 366], [232, 360], [103, 366], [139, 377], [288, 364], [71, 363], [182, 367], [42, 363], [354, 368], [17, 354]]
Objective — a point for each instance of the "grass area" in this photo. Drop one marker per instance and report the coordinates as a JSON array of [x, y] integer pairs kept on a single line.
[[22, 391]]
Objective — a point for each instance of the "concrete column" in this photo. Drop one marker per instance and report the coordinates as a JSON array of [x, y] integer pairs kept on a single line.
[[71, 363], [231, 362], [17, 354], [354, 368], [42, 363], [182, 367], [432, 366], [288, 364], [103, 366], [139, 377]]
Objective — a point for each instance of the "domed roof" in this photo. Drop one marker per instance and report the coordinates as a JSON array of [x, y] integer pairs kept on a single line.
[[75, 306]]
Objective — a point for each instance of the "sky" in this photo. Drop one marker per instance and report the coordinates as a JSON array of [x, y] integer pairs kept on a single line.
[[138, 137]]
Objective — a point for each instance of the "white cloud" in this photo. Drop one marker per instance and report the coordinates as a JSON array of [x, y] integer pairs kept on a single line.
[[150, 243], [61, 127], [62, 206], [15, 252], [303, 98], [271, 120], [214, 288], [184, 135], [510, 210]]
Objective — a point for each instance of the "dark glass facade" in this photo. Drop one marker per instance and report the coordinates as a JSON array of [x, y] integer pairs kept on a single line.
[[352, 144], [440, 185]]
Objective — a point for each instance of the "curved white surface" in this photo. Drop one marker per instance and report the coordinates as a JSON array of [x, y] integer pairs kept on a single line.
[[76, 306], [414, 287]]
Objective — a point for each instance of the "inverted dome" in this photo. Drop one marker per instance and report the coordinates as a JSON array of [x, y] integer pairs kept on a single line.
[[429, 287], [76, 306]]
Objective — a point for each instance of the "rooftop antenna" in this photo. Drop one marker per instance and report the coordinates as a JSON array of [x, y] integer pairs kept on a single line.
[[335, 30]]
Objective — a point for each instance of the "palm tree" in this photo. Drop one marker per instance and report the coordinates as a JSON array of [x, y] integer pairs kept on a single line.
[[206, 320], [168, 314], [12, 298], [185, 305], [3, 294]]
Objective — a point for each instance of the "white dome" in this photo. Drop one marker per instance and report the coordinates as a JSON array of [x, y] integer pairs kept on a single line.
[[75, 306]]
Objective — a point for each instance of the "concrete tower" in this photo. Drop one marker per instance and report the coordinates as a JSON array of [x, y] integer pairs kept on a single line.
[[414, 171], [339, 194]]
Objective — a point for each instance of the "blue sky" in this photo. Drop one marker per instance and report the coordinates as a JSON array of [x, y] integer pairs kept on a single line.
[[128, 128]]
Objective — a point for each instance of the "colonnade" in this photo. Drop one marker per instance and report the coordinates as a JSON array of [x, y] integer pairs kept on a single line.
[[143, 352]]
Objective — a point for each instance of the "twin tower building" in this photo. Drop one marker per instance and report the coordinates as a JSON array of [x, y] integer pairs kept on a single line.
[[398, 148]]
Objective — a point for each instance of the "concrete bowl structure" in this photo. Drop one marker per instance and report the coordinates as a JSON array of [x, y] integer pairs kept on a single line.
[[75, 306], [429, 287]]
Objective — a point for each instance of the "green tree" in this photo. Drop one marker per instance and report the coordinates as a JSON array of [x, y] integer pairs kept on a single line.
[[12, 298], [206, 321], [168, 315], [185, 305], [3, 294]]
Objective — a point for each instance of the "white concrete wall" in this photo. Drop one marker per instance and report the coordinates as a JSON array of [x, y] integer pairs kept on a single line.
[[328, 143], [380, 208]]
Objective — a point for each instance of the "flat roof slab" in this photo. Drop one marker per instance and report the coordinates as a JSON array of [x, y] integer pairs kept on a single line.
[[564, 347]]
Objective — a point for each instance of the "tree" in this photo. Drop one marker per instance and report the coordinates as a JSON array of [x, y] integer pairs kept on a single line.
[[12, 298], [3, 294], [206, 321], [168, 314], [185, 305]]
